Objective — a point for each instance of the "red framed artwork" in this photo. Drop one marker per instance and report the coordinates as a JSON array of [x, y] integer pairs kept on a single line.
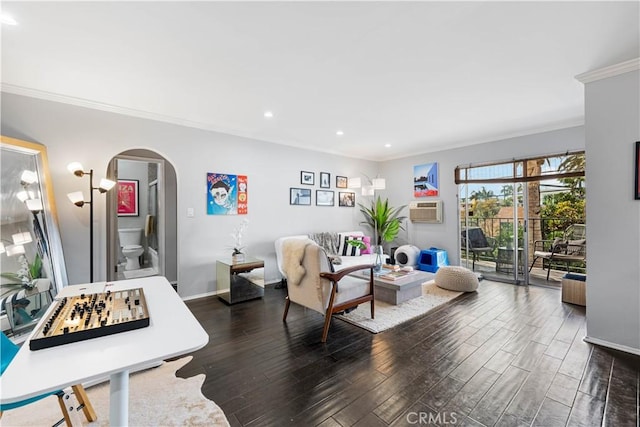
[[128, 197]]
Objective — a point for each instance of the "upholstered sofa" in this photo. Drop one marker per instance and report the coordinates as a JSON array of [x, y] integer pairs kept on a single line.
[[342, 254]]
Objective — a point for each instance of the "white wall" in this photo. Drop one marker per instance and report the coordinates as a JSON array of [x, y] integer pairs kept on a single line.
[[94, 137], [399, 175], [612, 113]]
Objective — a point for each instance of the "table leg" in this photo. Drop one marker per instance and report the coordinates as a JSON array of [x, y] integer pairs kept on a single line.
[[119, 399]]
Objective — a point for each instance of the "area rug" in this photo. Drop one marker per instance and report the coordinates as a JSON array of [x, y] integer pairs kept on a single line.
[[156, 398], [389, 315]]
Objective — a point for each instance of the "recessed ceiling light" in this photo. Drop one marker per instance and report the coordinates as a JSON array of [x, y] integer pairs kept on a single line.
[[339, 133], [387, 145], [7, 19], [268, 114]]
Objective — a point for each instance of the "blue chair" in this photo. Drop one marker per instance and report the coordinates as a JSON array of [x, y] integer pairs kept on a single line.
[[8, 350]]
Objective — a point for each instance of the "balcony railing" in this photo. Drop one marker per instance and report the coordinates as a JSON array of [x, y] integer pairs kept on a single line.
[[501, 231]]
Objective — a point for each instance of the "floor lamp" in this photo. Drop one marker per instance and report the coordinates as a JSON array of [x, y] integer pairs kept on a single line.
[[77, 198]]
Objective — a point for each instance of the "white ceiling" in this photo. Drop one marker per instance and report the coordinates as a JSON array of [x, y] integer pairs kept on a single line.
[[421, 76]]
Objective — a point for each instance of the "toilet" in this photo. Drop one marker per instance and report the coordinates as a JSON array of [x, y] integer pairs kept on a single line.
[[130, 239]]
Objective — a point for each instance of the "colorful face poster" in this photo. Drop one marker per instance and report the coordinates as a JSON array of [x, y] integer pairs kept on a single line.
[[425, 180], [226, 194]]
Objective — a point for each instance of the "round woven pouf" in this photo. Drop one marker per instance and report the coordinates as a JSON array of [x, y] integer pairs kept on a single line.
[[455, 278]]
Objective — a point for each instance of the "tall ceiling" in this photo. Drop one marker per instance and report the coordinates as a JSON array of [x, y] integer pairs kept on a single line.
[[420, 76]]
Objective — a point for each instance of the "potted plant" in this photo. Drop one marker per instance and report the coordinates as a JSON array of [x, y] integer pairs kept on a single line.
[[385, 222], [27, 276]]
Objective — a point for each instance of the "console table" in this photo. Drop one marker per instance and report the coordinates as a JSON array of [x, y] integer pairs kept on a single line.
[[240, 280], [173, 331]]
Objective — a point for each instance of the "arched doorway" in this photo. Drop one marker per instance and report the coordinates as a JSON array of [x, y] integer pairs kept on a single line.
[[142, 212]]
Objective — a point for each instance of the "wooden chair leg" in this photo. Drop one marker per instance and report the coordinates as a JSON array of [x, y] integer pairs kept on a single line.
[[329, 313], [287, 303], [65, 411], [327, 323], [83, 399], [373, 309]]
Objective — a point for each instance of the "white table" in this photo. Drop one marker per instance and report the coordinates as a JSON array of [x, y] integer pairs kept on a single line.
[[173, 331]]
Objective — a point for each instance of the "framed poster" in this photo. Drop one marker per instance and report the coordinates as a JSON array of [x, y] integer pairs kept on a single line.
[[227, 194], [324, 198], [299, 196], [346, 199], [341, 181], [425, 180], [307, 178], [325, 180], [637, 175], [128, 197]]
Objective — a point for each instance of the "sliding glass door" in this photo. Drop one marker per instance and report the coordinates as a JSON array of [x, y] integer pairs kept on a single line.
[[493, 230], [512, 212]]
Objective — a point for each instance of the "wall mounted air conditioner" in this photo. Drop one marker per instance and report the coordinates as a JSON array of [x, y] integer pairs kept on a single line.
[[426, 211]]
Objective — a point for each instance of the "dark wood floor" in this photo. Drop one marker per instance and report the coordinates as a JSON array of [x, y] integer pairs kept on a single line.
[[507, 356]]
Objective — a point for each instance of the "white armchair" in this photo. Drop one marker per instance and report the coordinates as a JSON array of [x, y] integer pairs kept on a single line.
[[312, 283]]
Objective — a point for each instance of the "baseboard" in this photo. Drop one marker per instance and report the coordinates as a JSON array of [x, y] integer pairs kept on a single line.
[[206, 294], [612, 345]]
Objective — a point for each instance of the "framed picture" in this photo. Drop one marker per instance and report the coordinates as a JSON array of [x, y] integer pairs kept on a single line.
[[341, 181], [307, 178], [325, 198], [425, 180], [299, 196], [325, 180], [346, 199], [227, 194], [637, 175], [128, 197]]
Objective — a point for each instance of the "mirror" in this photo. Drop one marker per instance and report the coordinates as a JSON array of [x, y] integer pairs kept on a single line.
[[32, 268]]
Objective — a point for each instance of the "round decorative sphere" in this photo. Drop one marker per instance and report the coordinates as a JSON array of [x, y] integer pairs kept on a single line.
[[407, 255]]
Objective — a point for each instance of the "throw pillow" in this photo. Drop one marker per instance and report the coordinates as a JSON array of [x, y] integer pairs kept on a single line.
[[367, 241], [345, 249]]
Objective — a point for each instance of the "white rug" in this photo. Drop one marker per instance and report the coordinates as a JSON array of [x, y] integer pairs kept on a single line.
[[389, 315], [156, 398]]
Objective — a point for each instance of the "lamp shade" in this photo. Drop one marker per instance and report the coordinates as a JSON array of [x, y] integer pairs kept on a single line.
[[355, 183], [75, 168], [379, 183], [13, 250], [21, 238], [28, 177], [24, 195], [77, 198], [368, 190], [106, 185], [34, 205]]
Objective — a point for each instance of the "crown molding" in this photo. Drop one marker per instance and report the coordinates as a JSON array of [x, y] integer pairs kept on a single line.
[[85, 103], [610, 71], [80, 102]]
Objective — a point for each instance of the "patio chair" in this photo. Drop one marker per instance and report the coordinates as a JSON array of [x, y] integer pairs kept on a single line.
[[478, 243], [571, 248]]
